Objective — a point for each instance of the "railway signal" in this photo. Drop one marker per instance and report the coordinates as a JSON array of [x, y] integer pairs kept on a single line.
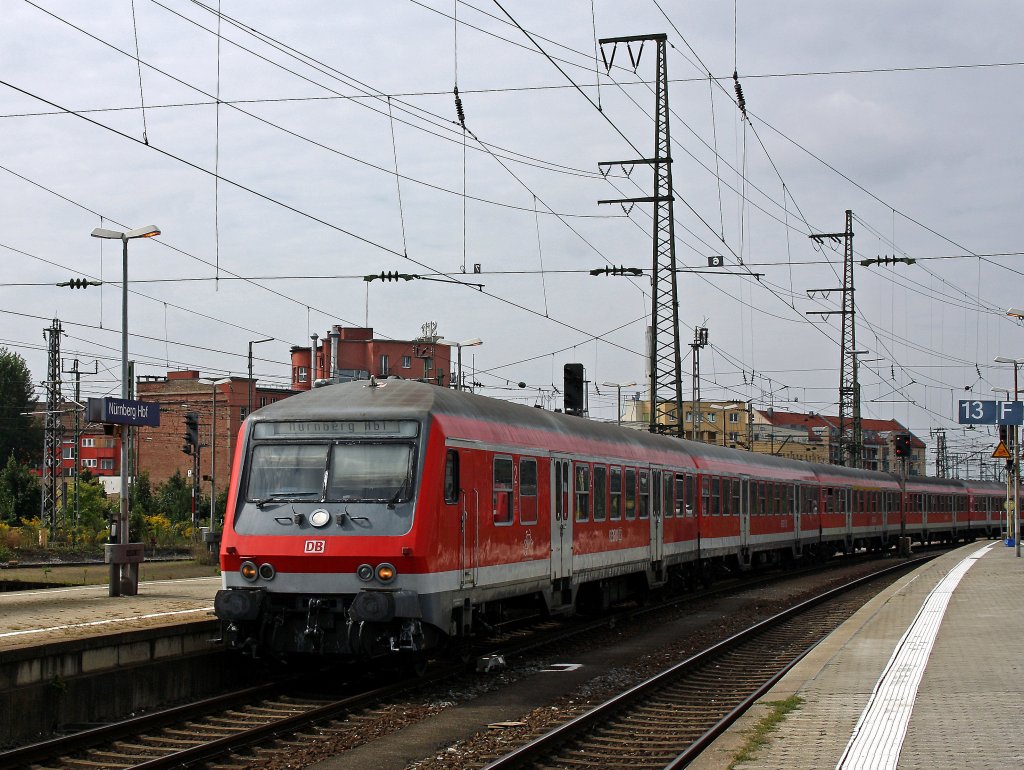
[[191, 433]]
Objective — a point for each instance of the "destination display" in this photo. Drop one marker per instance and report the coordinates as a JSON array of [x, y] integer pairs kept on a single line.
[[120, 411], [991, 413], [338, 429]]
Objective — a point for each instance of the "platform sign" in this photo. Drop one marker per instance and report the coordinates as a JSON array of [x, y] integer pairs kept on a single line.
[[991, 413], [120, 411]]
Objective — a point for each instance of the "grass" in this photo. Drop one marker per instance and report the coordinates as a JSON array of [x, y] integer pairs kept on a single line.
[[760, 734]]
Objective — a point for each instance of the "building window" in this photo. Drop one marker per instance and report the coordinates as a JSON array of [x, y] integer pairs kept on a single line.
[[88, 442], [106, 465], [301, 374], [241, 412], [734, 437], [689, 417], [68, 453], [428, 364], [384, 365], [407, 362], [263, 401], [89, 462], [734, 416], [710, 417]]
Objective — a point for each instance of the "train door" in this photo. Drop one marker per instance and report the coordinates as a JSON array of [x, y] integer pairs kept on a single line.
[[561, 518], [744, 512], [796, 503], [470, 524], [657, 518]]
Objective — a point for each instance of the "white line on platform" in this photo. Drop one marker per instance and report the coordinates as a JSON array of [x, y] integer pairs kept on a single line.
[[103, 622], [878, 737]]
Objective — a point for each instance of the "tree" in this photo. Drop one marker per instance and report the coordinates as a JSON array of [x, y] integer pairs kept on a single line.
[[20, 495], [20, 433], [174, 498], [93, 506]]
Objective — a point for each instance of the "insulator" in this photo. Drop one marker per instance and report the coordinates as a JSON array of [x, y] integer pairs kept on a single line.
[[458, 108], [740, 101]]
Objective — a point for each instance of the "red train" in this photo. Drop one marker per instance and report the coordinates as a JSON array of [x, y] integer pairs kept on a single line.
[[380, 517]]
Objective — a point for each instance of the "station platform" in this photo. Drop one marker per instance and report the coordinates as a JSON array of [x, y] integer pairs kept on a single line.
[[50, 615], [928, 674]]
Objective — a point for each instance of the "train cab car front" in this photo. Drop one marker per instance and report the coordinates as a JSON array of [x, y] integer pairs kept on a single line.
[[323, 512]]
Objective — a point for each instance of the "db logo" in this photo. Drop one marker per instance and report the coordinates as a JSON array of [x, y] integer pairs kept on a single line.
[[316, 546]]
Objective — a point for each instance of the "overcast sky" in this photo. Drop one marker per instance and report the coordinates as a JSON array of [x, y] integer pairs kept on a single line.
[[906, 113]]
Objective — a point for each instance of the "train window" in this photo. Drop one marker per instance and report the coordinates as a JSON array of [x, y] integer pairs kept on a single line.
[[582, 492], [656, 493], [737, 497], [667, 503], [615, 494], [705, 495], [691, 495], [629, 501], [527, 490], [716, 496], [451, 477], [681, 496], [644, 496], [288, 471], [502, 507], [600, 492], [376, 472]]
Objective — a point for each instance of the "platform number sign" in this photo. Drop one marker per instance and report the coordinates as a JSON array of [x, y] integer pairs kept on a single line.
[[991, 412]]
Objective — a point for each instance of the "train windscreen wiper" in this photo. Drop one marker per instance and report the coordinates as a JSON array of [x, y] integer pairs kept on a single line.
[[261, 501]]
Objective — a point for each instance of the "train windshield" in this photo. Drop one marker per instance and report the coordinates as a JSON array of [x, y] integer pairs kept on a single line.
[[341, 472]]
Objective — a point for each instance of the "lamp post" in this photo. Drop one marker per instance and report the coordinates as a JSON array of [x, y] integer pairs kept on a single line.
[[1016, 449], [251, 343], [460, 345], [122, 580], [618, 397]]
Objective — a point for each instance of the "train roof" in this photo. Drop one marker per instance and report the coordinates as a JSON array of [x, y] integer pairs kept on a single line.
[[397, 399]]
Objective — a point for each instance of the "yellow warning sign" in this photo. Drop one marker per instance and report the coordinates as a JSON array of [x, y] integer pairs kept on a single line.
[[1001, 453]]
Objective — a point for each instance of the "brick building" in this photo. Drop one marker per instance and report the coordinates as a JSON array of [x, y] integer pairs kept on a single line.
[[353, 353], [221, 404]]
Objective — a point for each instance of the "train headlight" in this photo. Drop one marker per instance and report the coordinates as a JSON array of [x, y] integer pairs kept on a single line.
[[385, 573], [365, 572], [320, 518], [248, 570], [267, 571]]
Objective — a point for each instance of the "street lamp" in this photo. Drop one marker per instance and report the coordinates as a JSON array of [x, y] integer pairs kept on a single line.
[[1017, 362], [618, 397], [124, 580], [251, 343], [460, 345]]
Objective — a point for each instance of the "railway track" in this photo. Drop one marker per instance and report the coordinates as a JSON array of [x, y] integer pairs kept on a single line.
[[282, 719], [665, 722]]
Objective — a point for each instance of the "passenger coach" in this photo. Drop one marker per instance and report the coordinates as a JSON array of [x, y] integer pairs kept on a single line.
[[380, 517]]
